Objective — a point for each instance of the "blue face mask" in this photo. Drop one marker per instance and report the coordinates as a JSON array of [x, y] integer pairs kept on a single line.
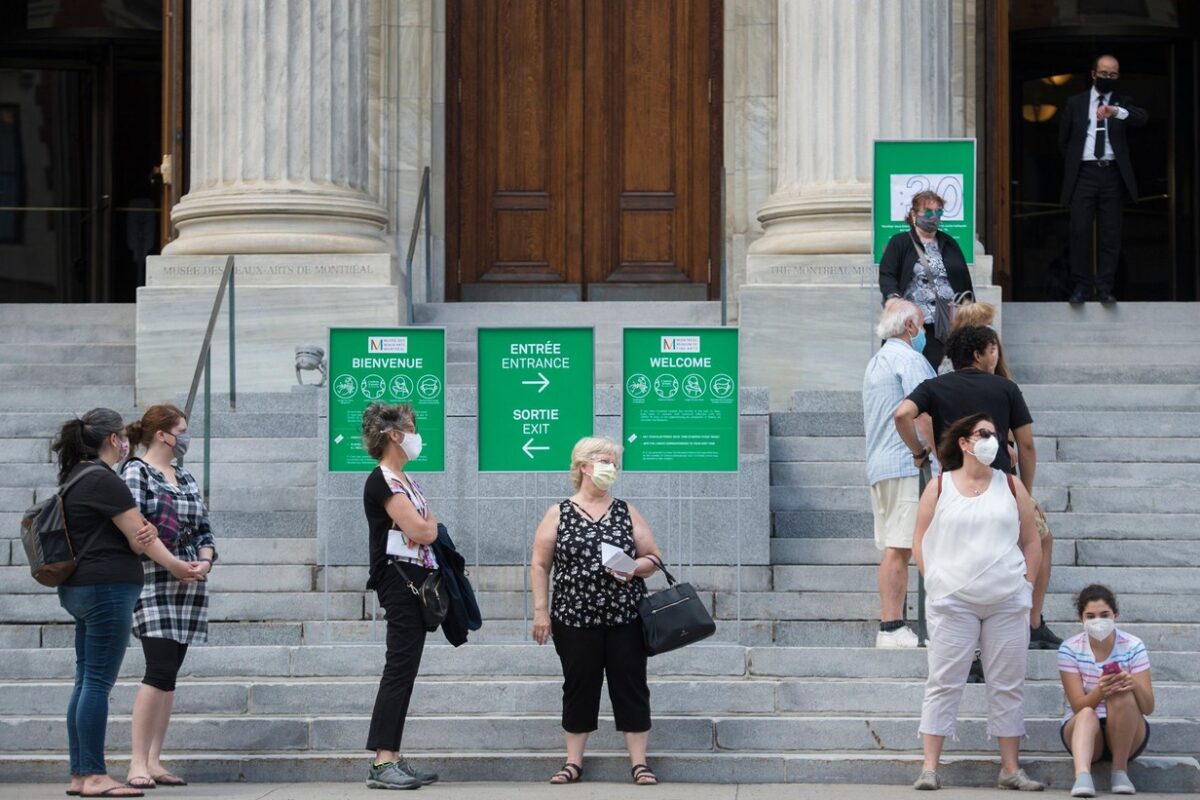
[[918, 341]]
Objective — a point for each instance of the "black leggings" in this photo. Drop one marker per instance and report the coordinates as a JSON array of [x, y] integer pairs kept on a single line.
[[587, 655], [164, 657]]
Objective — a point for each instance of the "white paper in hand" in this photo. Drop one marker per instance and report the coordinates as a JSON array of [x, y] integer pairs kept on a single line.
[[616, 559]]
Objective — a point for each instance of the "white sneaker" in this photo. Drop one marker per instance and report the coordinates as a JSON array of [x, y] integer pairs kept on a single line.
[[901, 637]]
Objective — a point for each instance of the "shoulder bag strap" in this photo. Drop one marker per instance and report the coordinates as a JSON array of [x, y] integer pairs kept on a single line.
[[658, 563], [921, 255], [939, 492], [62, 493]]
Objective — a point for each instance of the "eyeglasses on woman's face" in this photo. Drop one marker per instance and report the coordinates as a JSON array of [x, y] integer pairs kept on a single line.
[[930, 213], [982, 433]]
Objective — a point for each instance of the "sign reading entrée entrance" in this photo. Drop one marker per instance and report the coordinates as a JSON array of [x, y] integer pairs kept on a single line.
[[680, 404], [535, 397], [389, 365]]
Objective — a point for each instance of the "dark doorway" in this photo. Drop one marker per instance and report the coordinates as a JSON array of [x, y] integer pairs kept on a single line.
[[80, 140], [1159, 259]]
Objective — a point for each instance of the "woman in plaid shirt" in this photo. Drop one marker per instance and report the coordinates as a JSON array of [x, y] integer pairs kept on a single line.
[[170, 614]]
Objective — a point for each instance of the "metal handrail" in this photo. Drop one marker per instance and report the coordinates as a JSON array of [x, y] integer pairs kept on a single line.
[[422, 210], [204, 364]]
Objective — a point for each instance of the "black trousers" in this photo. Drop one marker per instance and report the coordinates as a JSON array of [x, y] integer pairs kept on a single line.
[[935, 349], [164, 657], [1098, 196], [405, 643], [587, 655]]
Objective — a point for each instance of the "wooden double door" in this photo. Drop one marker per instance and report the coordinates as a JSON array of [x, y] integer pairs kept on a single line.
[[583, 143]]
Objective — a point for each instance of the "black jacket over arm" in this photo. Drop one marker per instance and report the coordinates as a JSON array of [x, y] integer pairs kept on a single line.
[[900, 258], [1072, 134], [463, 615]]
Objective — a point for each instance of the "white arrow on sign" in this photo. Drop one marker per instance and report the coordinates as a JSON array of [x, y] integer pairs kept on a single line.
[[529, 447], [543, 383]]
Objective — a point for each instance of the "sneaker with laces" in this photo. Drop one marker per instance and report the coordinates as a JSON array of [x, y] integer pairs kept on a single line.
[[1042, 638], [1020, 781], [389, 776], [425, 778], [1120, 783], [899, 638], [1084, 786], [929, 781]]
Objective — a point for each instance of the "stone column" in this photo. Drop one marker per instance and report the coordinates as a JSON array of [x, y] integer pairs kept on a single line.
[[279, 154], [849, 72]]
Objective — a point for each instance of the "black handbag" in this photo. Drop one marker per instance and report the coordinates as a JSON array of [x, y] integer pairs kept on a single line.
[[431, 596], [674, 617]]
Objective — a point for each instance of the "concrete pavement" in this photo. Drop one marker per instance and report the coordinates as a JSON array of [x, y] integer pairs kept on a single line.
[[531, 791]]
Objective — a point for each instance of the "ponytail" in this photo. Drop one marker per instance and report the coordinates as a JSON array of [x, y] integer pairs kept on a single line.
[[80, 439]]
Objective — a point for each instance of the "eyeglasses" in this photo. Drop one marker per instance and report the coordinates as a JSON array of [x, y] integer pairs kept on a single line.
[[1108, 74], [930, 213], [982, 433]]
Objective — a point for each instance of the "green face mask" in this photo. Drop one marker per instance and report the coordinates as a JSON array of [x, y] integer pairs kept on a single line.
[[604, 476]]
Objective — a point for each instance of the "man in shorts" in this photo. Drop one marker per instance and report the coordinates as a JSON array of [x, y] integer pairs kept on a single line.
[[894, 372]]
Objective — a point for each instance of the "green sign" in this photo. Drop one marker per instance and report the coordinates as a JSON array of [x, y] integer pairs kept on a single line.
[[903, 168], [535, 397], [680, 404], [391, 365]]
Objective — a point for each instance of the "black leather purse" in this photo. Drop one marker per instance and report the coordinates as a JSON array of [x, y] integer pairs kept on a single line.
[[431, 596], [674, 617]]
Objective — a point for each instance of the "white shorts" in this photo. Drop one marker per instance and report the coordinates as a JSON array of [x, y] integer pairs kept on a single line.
[[894, 505]]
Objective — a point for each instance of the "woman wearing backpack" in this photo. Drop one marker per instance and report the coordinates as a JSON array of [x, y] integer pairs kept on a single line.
[[976, 543], [107, 533], [170, 614]]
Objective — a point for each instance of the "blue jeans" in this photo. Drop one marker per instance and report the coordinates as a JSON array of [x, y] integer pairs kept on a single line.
[[103, 621]]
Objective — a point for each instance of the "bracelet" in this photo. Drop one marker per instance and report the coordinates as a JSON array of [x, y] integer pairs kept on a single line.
[[209, 560]]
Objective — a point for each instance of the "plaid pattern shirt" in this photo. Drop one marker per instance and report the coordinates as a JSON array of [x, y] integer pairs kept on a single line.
[[169, 609]]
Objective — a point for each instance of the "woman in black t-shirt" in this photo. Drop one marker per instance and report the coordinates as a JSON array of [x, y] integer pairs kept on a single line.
[[401, 530], [107, 533]]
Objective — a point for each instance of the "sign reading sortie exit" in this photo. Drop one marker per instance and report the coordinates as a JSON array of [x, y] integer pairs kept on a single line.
[[680, 400], [535, 397]]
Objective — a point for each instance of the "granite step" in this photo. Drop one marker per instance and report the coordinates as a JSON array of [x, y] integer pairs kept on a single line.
[[35, 424], [1140, 316], [1114, 354], [1066, 371], [818, 552], [223, 606], [55, 316], [71, 331], [857, 498], [1091, 475], [543, 732], [59, 375], [249, 578], [68, 355], [25, 451], [1044, 397], [1081, 424], [1155, 581], [228, 475], [65, 399], [1150, 773], [1067, 334]]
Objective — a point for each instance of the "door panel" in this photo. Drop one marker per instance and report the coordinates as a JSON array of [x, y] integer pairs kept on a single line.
[[520, 116], [647, 170], [585, 147]]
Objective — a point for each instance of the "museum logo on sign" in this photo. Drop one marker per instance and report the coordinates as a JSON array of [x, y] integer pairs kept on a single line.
[[680, 344], [387, 344]]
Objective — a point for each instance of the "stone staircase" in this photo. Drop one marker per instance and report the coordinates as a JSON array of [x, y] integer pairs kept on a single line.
[[1116, 402], [788, 689]]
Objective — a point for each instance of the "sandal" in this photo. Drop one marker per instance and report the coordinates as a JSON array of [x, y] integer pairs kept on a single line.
[[167, 779], [643, 776], [110, 792], [141, 782], [570, 773]]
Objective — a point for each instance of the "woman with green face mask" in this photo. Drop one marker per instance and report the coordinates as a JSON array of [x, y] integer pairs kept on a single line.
[[594, 618]]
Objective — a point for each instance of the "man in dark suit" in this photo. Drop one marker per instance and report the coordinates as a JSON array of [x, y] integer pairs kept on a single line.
[[1098, 176]]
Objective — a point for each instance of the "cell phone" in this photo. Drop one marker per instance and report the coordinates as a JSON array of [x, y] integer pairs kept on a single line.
[[1111, 668]]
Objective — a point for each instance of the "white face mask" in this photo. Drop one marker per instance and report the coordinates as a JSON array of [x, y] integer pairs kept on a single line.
[[1100, 628], [411, 445], [604, 476], [986, 449]]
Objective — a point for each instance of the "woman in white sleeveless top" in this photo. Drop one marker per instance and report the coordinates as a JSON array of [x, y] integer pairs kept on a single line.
[[976, 543]]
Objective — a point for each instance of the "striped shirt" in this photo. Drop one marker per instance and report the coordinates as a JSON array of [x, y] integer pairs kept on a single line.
[[893, 373], [1075, 656]]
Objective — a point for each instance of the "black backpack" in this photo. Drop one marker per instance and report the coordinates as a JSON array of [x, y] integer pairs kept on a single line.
[[44, 535]]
